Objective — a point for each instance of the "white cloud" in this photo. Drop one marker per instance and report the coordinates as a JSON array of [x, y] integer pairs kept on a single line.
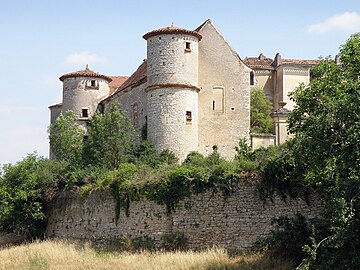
[[84, 58], [348, 21]]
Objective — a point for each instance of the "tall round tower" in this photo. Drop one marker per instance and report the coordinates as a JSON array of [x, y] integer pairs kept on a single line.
[[82, 91], [172, 91]]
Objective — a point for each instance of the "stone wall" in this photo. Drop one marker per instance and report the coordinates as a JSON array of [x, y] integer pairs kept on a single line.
[[206, 219], [168, 124], [220, 68]]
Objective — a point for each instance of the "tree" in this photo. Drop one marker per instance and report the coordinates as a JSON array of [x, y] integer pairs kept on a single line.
[[66, 139], [260, 111], [24, 189], [326, 148], [111, 139]]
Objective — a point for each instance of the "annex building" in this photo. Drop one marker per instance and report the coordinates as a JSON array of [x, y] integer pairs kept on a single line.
[[192, 92]]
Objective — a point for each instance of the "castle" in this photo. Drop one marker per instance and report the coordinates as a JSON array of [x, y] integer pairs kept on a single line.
[[192, 92]]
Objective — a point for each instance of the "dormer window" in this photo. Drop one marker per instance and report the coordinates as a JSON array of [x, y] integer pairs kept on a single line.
[[92, 84], [187, 46]]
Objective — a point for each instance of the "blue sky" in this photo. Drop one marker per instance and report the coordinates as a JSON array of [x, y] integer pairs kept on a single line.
[[41, 40]]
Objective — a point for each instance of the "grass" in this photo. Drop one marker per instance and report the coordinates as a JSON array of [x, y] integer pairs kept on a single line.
[[55, 254]]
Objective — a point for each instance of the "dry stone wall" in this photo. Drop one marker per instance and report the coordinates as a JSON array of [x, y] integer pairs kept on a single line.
[[206, 219]]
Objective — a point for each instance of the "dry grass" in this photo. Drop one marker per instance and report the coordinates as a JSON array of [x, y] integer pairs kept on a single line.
[[62, 255]]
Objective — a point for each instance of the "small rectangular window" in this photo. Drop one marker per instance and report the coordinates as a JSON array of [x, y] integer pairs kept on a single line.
[[188, 117], [84, 113], [252, 78], [93, 83], [187, 46]]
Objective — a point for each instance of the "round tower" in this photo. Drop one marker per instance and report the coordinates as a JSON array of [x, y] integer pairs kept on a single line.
[[82, 91], [172, 91]]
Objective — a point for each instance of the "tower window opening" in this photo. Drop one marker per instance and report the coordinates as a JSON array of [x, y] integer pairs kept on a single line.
[[187, 46], [213, 105], [252, 78], [84, 113], [93, 83], [188, 117]]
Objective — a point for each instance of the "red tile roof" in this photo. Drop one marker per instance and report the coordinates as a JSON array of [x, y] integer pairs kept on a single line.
[[84, 73], [257, 63], [172, 30], [116, 82], [137, 78]]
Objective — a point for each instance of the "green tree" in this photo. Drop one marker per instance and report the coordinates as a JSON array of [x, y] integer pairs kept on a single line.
[[111, 139], [66, 139], [326, 151], [260, 111], [24, 189]]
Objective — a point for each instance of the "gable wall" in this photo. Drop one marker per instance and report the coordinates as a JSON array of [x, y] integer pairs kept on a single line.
[[220, 67]]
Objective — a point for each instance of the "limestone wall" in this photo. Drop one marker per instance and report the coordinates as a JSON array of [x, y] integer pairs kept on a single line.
[[132, 102], [221, 70], [205, 219], [169, 62], [169, 126], [77, 96]]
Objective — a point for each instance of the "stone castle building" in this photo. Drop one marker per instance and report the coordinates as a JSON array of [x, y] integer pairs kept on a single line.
[[192, 91]]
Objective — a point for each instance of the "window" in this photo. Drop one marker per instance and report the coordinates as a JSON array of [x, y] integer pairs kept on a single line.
[[218, 99], [188, 117], [252, 78], [84, 113], [187, 47], [92, 84], [135, 114]]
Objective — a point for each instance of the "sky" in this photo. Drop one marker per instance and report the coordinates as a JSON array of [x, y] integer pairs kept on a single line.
[[42, 40]]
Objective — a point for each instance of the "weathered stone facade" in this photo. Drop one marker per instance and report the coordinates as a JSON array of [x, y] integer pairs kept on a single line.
[[206, 219], [193, 91]]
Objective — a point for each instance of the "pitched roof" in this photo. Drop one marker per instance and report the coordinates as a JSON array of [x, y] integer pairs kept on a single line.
[[263, 62], [137, 78], [258, 62], [84, 73], [56, 105], [116, 82], [172, 30]]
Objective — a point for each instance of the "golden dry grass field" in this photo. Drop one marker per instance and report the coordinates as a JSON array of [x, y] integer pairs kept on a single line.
[[55, 254]]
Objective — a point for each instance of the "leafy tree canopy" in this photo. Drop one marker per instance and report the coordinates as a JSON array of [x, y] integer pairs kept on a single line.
[[66, 139], [260, 111], [111, 139]]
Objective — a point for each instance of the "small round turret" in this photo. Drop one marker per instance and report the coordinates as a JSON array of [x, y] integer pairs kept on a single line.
[[82, 91]]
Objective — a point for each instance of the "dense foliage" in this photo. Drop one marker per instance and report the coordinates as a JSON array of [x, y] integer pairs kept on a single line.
[[24, 189], [66, 139], [260, 112], [111, 137], [324, 156]]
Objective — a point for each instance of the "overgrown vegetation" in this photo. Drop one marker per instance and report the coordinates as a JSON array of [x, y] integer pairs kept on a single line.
[[324, 157]]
